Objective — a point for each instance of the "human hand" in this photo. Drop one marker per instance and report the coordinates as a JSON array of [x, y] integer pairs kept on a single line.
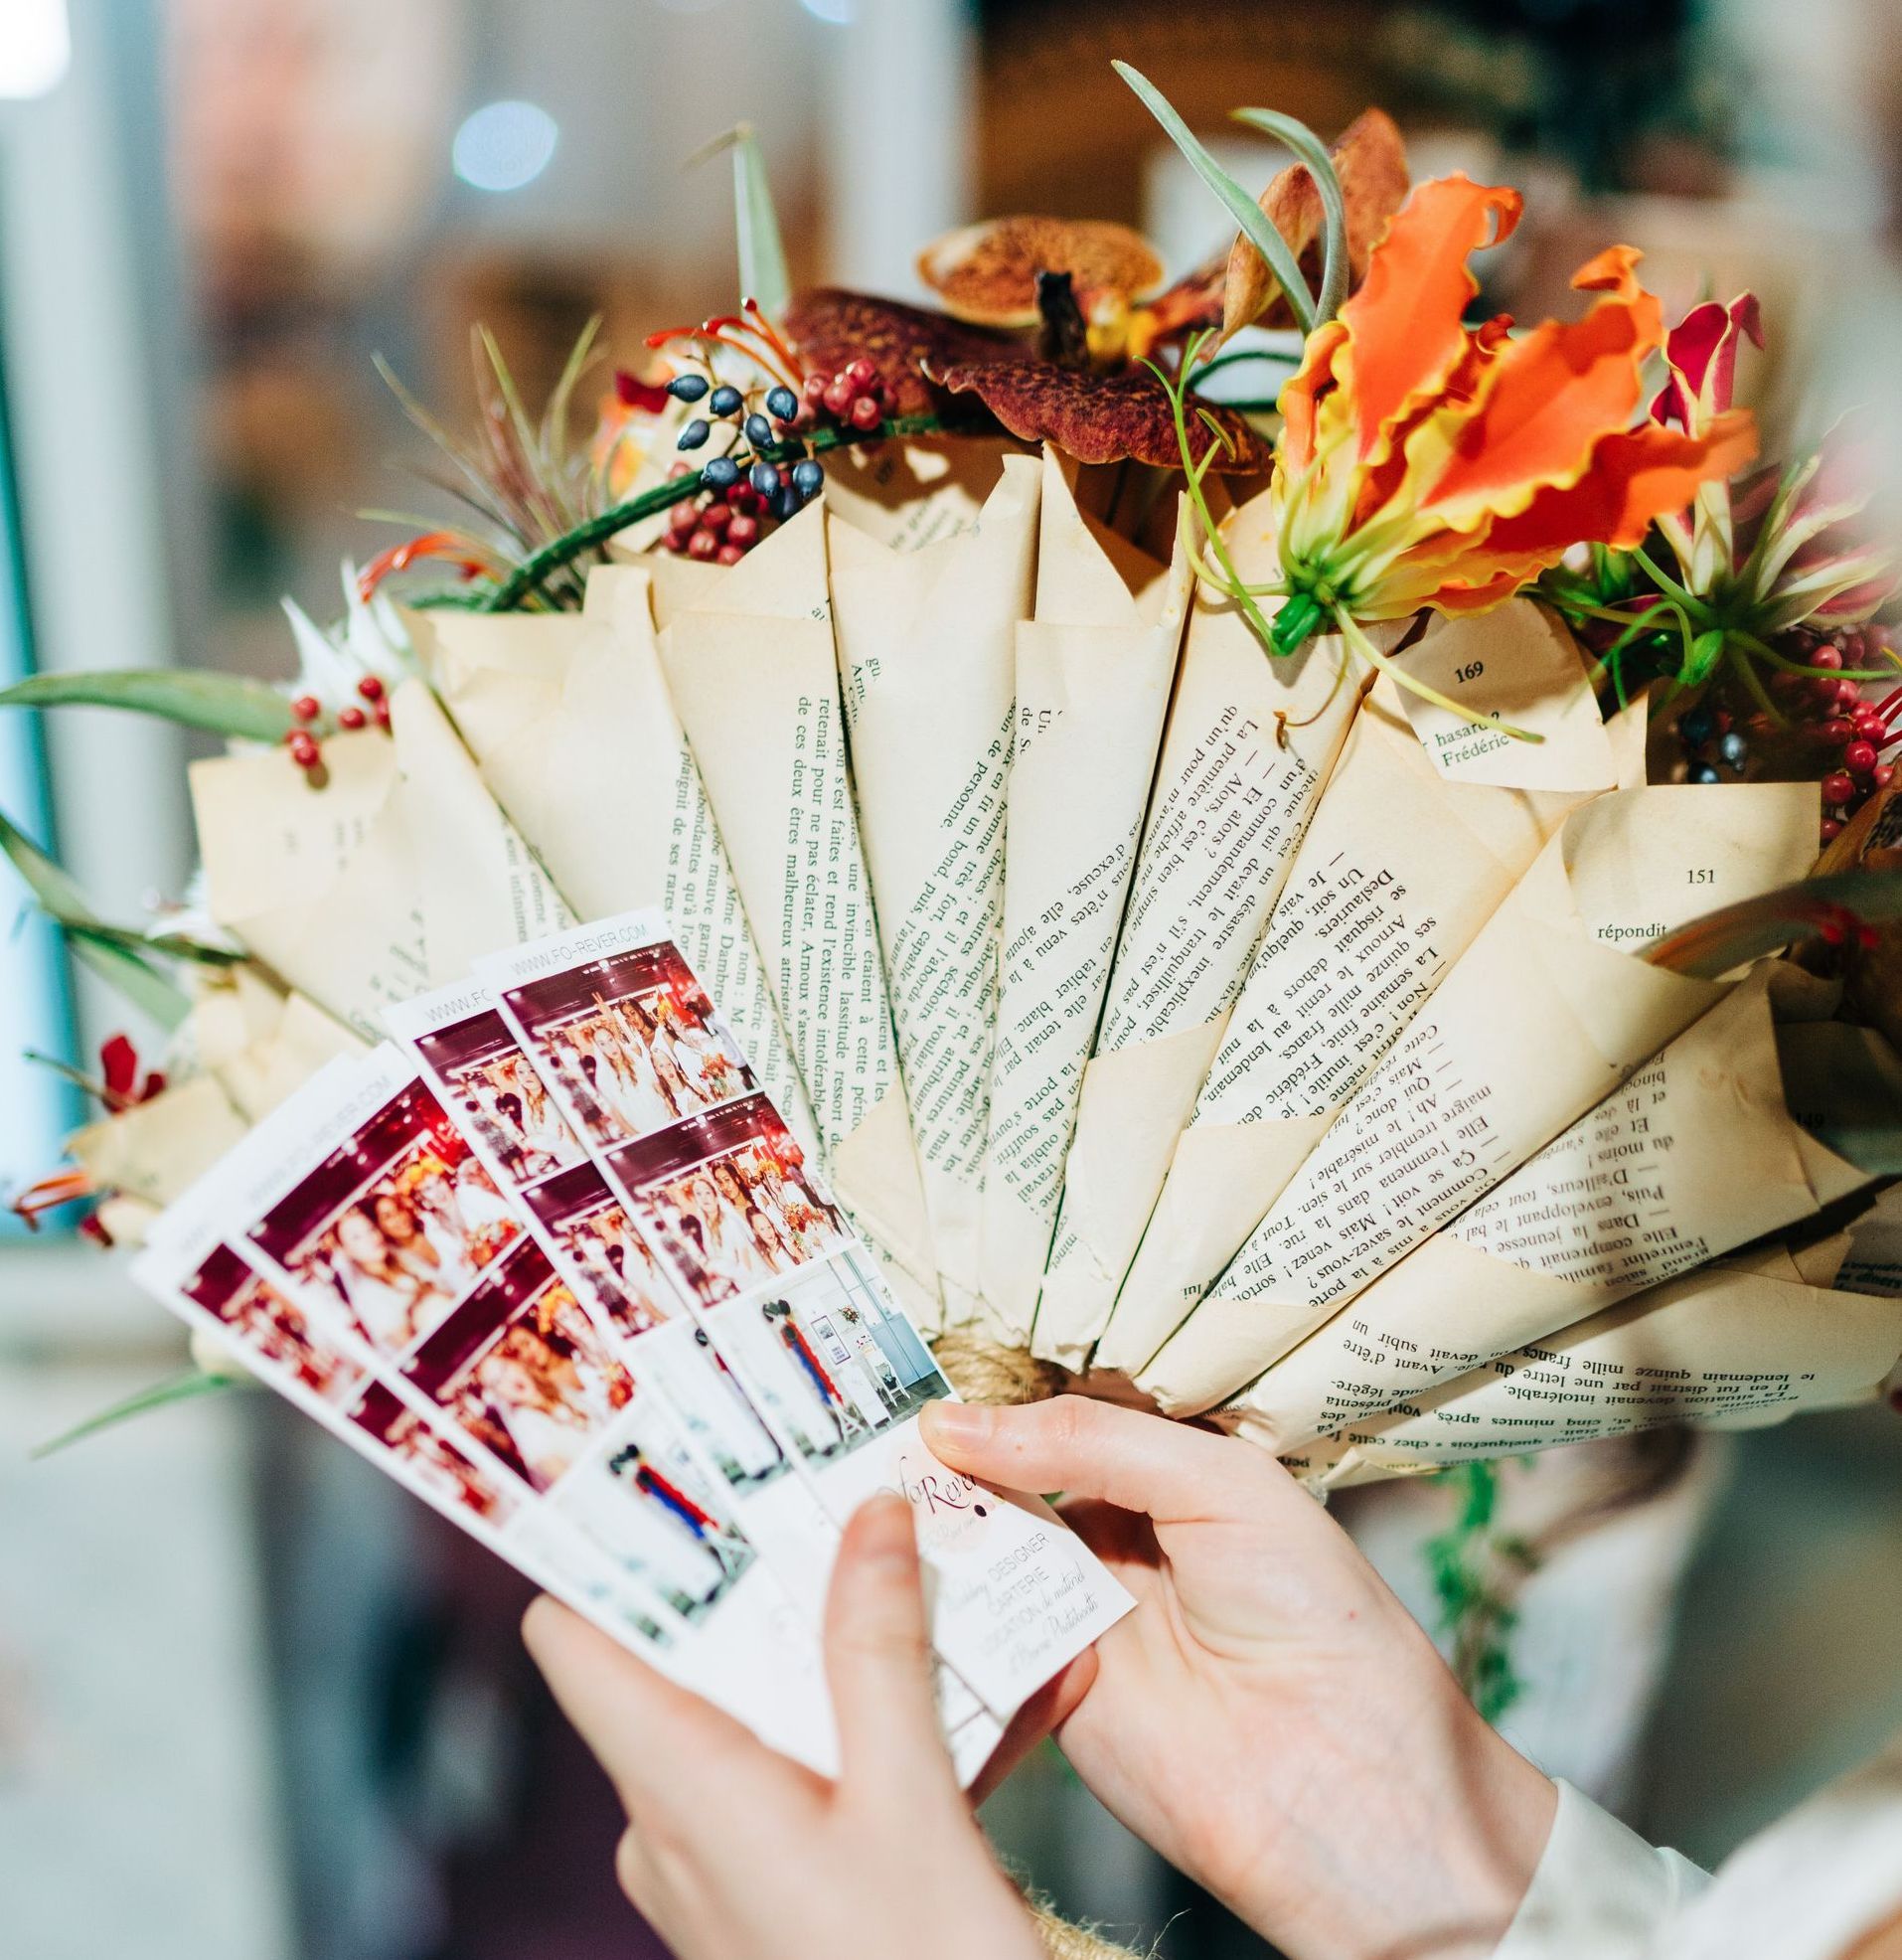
[[1270, 1717], [734, 1853]]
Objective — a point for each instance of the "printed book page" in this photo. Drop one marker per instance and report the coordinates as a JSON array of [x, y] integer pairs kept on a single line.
[[1548, 1009]]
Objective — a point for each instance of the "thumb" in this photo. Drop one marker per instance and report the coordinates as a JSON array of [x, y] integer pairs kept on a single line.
[[1166, 1470], [878, 1657]]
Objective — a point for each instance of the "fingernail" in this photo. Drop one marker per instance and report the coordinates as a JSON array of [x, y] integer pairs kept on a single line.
[[884, 1530], [955, 1422]]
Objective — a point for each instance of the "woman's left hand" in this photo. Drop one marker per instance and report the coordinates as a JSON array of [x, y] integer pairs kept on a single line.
[[734, 1853]]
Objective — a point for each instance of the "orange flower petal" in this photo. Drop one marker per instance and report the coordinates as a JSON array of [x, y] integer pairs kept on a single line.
[[1404, 322], [1637, 475], [1385, 478], [1548, 397], [1297, 402]]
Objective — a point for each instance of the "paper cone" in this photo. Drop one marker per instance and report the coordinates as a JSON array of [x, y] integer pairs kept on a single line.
[[1721, 1349], [1094, 669], [1250, 743], [570, 719], [1549, 1010], [927, 652], [756, 686], [1695, 1155], [1405, 862], [392, 879]]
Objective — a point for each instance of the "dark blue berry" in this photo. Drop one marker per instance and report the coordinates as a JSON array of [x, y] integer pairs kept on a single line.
[[1733, 748], [720, 473], [783, 404], [786, 503], [686, 387], [759, 432], [693, 434], [727, 401], [764, 478], [808, 476], [1697, 726], [1705, 773]]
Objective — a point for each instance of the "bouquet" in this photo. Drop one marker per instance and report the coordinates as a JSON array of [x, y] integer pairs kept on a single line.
[[1296, 898]]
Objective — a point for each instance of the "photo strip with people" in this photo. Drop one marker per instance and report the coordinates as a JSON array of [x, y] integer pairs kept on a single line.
[[395, 1224], [633, 1039], [731, 1197]]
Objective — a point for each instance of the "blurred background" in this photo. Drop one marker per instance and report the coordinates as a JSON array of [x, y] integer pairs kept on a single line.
[[255, 1703]]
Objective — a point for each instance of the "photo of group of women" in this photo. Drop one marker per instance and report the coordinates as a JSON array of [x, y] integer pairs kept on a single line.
[[633, 1039], [647, 1503], [430, 1461], [263, 1321], [494, 1088], [731, 1198], [522, 1367], [607, 1255], [395, 1224], [832, 1362]]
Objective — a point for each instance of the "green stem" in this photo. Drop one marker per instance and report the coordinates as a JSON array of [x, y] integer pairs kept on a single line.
[[1765, 651], [1176, 391], [1754, 682], [559, 553]]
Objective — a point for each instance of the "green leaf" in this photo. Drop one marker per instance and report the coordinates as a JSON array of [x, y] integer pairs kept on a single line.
[[168, 946], [763, 253], [1313, 153], [125, 971], [224, 704], [1246, 211], [161, 1395]]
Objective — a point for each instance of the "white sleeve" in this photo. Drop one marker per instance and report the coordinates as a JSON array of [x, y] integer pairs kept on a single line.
[[1600, 1890]]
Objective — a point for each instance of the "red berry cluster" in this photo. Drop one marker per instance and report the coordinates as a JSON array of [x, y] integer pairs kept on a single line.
[[306, 711], [855, 397], [718, 526], [1852, 733]]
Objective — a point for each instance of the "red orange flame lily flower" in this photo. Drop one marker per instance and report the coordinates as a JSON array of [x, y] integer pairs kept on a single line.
[[1426, 462]]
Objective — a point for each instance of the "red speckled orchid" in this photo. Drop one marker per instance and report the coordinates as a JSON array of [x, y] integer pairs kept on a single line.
[[1428, 463]]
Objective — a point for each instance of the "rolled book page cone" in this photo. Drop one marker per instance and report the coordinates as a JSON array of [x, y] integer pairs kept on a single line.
[[571, 720], [1404, 863], [389, 882], [927, 653], [1094, 669], [1694, 1155], [1720, 1347], [1248, 745], [1550, 1007], [755, 678]]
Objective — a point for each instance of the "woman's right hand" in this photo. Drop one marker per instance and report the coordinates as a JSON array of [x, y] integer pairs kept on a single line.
[[1270, 1718]]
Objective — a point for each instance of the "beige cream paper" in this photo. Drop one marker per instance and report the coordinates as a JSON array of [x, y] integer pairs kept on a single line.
[[756, 687], [1694, 1155], [570, 719], [1403, 864], [1722, 1348], [390, 880], [927, 653], [1548, 1009], [907, 495], [1094, 669], [1248, 745], [249, 1045]]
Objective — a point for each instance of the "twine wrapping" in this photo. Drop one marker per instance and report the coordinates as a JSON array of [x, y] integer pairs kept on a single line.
[[984, 1371], [1063, 1941]]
